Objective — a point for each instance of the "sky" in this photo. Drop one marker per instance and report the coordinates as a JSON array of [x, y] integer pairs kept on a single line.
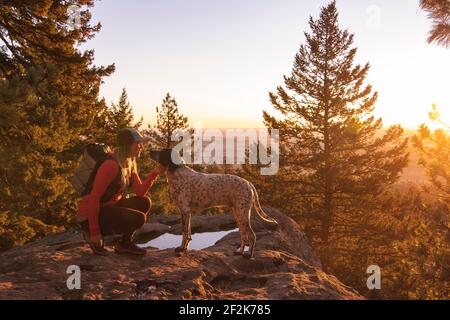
[[220, 59]]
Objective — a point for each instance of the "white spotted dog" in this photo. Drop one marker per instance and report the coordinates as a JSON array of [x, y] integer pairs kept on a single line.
[[193, 191]]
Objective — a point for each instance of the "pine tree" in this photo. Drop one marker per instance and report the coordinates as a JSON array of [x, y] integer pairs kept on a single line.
[[48, 100], [168, 121], [335, 158], [120, 116], [439, 12], [411, 241]]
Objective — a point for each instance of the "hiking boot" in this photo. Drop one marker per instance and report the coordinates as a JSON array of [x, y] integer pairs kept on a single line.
[[129, 247], [102, 251]]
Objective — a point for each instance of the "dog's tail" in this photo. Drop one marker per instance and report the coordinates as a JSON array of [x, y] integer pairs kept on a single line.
[[258, 208]]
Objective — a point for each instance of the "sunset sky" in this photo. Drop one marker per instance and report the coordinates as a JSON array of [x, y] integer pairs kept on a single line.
[[219, 59]]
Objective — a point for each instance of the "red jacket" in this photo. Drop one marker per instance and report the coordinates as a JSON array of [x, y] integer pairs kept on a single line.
[[89, 205]]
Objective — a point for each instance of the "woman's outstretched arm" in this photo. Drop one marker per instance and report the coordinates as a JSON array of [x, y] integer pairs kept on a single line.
[[140, 188]]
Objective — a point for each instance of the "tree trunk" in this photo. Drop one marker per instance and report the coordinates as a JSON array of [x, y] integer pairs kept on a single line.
[[326, 219]]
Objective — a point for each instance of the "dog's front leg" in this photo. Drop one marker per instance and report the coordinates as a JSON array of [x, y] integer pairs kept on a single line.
[[186, 228]]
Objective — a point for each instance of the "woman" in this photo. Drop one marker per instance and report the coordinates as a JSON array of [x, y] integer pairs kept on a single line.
[[118, 214]]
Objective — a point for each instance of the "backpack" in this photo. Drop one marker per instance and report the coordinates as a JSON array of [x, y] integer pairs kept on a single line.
[[94, 155]]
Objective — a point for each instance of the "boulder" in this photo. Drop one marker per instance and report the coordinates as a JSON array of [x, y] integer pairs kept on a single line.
[[284, 267]]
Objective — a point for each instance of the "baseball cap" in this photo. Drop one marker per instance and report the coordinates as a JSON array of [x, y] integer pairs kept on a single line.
[[130, 135]]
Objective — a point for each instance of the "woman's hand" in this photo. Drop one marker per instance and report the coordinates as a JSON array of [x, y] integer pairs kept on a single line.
[[160, 169]]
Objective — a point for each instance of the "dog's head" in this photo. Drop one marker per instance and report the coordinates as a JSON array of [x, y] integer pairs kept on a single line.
[[167, 158]]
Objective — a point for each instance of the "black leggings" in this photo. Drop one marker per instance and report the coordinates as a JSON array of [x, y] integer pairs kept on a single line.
[[125, 217]]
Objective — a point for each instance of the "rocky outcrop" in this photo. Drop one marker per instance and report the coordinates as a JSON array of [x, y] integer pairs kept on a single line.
[[284, 267]]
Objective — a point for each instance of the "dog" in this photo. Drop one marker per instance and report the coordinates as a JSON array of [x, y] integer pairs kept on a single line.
[[193, 191]]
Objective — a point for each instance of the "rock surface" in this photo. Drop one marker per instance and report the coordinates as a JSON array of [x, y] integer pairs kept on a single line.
[[284, 267]]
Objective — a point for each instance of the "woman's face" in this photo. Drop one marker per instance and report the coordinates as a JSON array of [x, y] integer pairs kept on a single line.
[[135, 150]]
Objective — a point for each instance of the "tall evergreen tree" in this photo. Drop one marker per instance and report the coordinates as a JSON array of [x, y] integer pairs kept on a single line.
[[168, 120], [48, 99], [118, 116], [335, 157]]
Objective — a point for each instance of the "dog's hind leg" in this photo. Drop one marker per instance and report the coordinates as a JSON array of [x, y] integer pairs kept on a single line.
[[186, 229], [248, 237], [250, 242], [240, 250], [189, 229]]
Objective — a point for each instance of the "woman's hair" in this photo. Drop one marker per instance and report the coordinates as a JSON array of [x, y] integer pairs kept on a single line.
[[123, 150]]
